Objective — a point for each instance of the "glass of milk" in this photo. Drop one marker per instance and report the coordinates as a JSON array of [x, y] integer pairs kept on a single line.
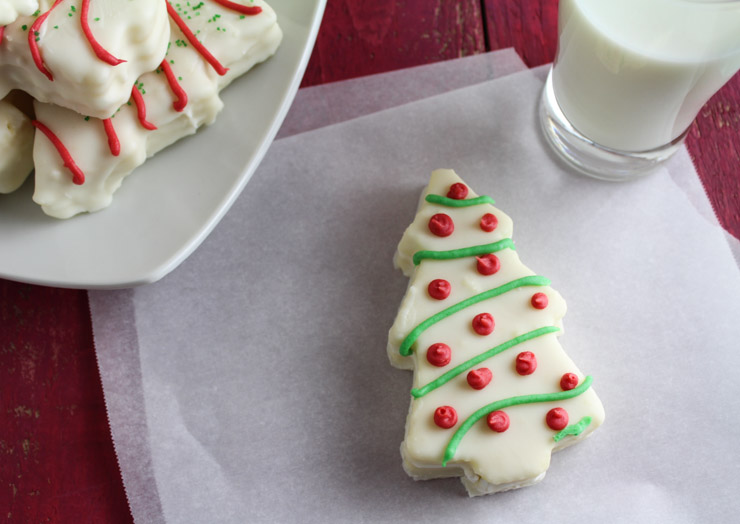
[[630, 76]]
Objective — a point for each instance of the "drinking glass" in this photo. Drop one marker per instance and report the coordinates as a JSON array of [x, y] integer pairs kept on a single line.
[[630, 76]]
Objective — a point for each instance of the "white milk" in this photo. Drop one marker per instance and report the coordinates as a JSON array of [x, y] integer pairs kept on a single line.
[[633, 74]]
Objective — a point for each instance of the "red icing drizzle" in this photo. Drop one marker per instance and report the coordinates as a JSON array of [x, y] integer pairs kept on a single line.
[[205, 53], [488, 264], [568, 381], [439, 289], [483, 324], [113, 144], [445, 417], [2, 31], [539, 301], [479, 378], [239, 8], [498, 421], [441, 225], [488, 222], [557, 418], [98, 49], [182, 96], [457, 191], [439, 354], [526, 363], [78, 177], [141, 109], [35, 53]]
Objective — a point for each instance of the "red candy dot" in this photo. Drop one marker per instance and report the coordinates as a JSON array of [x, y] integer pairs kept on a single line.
[[439, 289], [441, 225], [539, 301], [488, 222], [488, 264], [445, 417], [557, 418], [479, 378], [483, 324], [526, 363], [498, 421], [568, 381], [439, 354], [458, 191]]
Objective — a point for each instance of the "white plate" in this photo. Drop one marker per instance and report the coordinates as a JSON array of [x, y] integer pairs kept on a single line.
[[168, 206]]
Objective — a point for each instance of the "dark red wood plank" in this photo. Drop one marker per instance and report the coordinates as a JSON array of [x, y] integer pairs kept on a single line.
[[530, 26], [58, 463], [714, 144], [362, 37]]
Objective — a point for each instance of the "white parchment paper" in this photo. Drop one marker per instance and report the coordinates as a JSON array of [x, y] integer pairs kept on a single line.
[[253, 384], [325, 104]]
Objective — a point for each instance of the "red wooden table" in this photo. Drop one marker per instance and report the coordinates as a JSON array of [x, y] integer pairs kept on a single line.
[[57, 462]]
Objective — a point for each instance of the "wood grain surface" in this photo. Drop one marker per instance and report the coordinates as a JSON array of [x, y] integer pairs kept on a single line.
[[362, 37], [56, 457]]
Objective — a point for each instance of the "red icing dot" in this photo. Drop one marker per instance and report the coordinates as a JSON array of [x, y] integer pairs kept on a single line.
[[441, 225], [439, 354], [488, 222], [458, 191], [439, 289], [539, 301], [483, 324], [498, 421], [479, 378], [445, 417], [568, 381], [557, 418], [488, 264], [526, 363]]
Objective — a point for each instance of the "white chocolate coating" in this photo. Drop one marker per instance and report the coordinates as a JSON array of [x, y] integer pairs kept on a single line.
[[16, 145], [237, 42], [135, 30], [10, 10], [487, 461]]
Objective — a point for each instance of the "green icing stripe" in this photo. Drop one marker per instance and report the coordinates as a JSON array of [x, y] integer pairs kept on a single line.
[[533, 280], [505, 403], [573, 429], [463, 252], [452, 202], [457, 370]]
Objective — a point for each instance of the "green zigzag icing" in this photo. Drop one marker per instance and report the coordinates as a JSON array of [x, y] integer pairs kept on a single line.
[[452, 202], [483, 249], [505, 403], [573, 429], [461, 368], [533, 280]]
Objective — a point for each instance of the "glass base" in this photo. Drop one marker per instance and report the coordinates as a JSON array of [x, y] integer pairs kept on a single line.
[[593, 159]]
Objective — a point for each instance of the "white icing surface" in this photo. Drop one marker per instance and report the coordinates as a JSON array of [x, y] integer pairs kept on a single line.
[[237, 42], [12, 9], [16, 141], [135, 30], [488, 461]]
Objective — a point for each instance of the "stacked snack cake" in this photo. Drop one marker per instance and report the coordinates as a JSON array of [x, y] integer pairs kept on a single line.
[[494, 394], [114, 82]]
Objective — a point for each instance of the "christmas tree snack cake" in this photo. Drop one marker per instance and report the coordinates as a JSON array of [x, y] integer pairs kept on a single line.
[[494, 394]]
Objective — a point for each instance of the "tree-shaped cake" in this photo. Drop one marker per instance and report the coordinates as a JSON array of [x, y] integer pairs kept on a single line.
[[494, 393]]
